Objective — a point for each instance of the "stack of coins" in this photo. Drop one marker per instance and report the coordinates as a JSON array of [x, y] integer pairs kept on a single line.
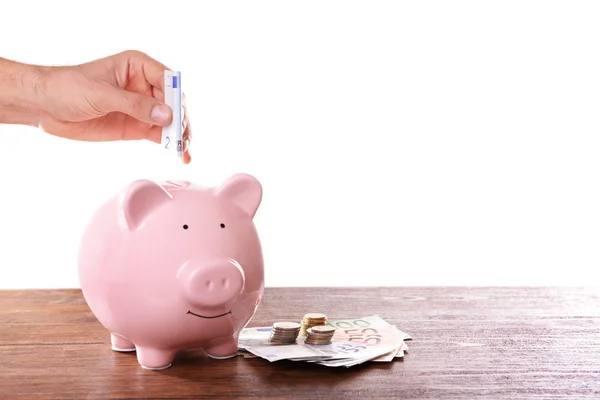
[[319, 334], [284, 332], [310, 320]]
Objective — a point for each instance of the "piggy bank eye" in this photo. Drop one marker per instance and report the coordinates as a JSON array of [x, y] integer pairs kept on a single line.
[[185, 227], [222, 225]]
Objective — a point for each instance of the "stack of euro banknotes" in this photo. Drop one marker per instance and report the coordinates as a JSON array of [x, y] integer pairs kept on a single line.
[[355, 341]]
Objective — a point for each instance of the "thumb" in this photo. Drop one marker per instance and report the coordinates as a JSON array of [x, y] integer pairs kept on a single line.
[[143, 108]]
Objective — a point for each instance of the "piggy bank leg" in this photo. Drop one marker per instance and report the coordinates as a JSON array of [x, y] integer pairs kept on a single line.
[[222, 348], [119, 343], [154, 359]]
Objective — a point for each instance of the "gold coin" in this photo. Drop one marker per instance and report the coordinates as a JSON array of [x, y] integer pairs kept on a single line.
[[319, 335], [315, 316], [323, 329], [311, 319]]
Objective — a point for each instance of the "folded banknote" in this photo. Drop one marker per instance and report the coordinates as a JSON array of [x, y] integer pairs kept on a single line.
[[355, 341]]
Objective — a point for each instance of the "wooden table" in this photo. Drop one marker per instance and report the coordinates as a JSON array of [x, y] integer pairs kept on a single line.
[[492, 343]]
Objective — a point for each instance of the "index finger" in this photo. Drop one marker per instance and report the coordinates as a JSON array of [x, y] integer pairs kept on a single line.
[[153, 70]]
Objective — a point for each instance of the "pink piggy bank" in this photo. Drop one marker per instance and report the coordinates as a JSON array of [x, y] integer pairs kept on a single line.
[[174, 266]]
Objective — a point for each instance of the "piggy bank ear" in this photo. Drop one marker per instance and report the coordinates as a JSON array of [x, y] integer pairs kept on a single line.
[[139, 200], [244, 190]]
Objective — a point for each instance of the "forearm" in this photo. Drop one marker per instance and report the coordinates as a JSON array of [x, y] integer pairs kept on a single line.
[[20, 93]]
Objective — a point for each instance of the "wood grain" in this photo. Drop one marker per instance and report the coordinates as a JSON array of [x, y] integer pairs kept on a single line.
[[489, 343]]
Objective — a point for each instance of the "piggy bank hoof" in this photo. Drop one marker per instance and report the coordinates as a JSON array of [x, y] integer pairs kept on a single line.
[[156, 368], [120, 344], [222, 348], [223, 357], [154, 359], [113, 348]]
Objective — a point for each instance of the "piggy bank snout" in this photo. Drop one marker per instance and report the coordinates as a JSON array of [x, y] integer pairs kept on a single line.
[[213, 283]]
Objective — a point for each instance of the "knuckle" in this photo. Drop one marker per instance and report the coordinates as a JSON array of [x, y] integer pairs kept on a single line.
[[134, 54]]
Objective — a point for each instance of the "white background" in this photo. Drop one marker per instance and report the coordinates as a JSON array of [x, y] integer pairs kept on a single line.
[[398, 143]]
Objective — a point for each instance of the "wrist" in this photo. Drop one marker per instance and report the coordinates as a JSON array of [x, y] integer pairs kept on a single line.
[[21, 92]]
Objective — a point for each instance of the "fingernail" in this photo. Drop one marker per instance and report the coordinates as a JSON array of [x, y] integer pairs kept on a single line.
[[186, 145], [161, 113]]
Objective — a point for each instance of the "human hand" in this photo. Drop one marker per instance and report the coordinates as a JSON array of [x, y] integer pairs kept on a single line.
[[119, 97]]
